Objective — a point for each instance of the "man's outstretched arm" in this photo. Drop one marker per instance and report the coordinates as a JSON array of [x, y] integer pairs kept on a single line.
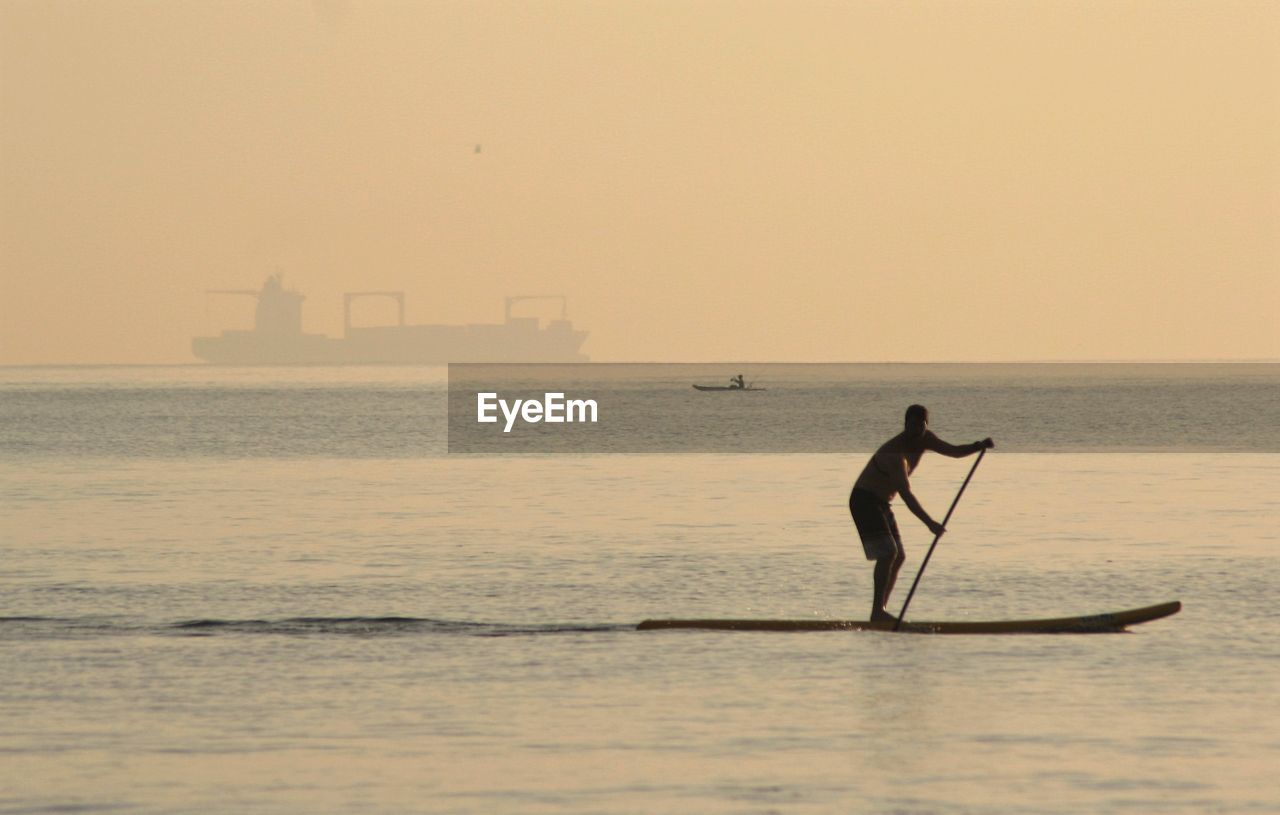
[[937, 445]]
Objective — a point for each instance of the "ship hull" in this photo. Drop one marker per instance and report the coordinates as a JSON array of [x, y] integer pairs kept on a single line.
[[401, 346]]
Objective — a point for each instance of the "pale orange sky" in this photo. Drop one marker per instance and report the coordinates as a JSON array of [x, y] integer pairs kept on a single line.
[[705, 180]]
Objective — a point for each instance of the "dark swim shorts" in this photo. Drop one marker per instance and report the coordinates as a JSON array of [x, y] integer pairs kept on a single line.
[[876, 525]]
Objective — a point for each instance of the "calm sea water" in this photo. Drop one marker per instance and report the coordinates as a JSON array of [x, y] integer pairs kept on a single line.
[[272, 591]]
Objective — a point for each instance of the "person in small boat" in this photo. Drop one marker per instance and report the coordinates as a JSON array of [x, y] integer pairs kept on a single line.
[[885, 475], [736, 382]]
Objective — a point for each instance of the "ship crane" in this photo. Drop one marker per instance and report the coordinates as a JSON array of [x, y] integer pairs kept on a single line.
[[275, 282], [564, 303], [398, 296]]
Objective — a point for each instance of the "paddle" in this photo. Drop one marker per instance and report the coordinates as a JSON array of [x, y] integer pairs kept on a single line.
[[898, 623]]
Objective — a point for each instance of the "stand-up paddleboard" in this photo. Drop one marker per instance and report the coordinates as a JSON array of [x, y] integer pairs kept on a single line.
[[1092, 624]]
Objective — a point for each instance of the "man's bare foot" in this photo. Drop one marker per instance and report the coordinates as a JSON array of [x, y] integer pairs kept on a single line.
[[882, 616]]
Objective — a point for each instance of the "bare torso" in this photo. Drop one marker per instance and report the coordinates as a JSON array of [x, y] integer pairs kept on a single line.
[[890, 465], [888, 472]]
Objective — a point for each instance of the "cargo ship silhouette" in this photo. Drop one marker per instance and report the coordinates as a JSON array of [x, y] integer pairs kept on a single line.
[[277, 337]]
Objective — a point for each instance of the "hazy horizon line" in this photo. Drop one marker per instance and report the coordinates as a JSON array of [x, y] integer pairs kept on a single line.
[[212, 366]]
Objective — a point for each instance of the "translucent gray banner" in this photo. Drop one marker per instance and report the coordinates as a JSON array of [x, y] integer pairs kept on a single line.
[[807, 408]]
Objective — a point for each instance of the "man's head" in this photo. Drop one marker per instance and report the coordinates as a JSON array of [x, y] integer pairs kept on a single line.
[[916, 421]]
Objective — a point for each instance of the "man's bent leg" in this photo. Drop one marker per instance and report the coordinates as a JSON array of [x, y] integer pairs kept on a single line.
[[883, 578], [894, 568]]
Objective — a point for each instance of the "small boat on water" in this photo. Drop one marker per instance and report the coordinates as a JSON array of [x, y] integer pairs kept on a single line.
[[736, 383]]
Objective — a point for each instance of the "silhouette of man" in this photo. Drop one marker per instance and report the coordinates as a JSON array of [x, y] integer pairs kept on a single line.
[[885, 475]]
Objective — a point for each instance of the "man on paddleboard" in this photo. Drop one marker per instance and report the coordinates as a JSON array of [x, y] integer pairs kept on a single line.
[[888, 474]]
